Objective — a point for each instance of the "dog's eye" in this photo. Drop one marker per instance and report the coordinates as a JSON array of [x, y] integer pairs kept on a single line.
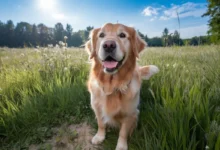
[[101, 35], [122, 35]]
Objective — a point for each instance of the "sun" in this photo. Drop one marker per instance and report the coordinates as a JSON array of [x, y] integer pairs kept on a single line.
[[47, 5]]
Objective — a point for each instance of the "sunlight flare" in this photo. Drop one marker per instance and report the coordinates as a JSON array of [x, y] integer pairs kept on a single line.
[[47, 5]]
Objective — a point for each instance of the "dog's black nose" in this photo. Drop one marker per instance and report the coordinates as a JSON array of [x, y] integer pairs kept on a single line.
[[109, 46]]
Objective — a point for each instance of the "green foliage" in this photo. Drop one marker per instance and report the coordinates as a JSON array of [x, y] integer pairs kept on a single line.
[[180, 106], [27, 35], [39, 90], [156, 41], [173, 39], [214, 21], [59, 32]]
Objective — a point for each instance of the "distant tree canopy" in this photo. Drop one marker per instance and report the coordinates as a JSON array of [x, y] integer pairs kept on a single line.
[[214, 22], [171, 39], [25, 34]]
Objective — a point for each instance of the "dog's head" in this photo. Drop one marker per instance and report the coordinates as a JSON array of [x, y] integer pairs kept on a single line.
[[112, 44]]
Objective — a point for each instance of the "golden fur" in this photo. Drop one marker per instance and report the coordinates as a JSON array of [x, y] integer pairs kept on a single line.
[[115, 97]]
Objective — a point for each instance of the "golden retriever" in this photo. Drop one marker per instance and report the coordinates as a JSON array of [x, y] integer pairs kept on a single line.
[[115, 79]]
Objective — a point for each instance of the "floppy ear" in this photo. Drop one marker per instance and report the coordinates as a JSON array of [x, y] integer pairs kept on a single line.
[[91, 44], [139, 44]]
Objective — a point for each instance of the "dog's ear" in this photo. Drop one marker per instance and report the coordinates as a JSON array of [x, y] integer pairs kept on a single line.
[[138, 43], [91, 44]]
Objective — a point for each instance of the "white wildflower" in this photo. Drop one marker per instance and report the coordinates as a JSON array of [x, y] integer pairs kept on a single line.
[[206, 147], [37, 47], [174, 65], [22, 55], [50, 45], [57, 46], [65, 69], [61, 43], [37, 51], [65, 37]]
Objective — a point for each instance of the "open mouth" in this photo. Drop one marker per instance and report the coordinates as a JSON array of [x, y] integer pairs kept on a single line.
[[111, 65]]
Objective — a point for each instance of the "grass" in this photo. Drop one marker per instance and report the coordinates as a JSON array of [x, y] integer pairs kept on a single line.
[[180, 106]]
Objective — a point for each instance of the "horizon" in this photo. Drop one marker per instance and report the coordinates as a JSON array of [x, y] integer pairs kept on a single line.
[[149, 18]]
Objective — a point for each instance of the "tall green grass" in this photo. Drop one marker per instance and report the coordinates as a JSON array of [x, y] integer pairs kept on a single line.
[[180, 106]]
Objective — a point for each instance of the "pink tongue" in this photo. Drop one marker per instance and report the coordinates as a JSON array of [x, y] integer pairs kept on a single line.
[[110, 64]]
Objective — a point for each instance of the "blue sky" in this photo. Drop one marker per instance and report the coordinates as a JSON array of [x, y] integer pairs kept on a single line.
[[149, 16]]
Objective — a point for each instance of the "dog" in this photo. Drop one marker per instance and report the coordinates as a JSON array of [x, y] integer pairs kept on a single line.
[[115, 79]]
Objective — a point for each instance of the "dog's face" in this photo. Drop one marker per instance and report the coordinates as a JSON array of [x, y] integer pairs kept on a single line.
[[112, 44]]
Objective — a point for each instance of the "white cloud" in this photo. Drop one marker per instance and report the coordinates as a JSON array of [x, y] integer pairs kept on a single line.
[[149, 11], [188, 9]]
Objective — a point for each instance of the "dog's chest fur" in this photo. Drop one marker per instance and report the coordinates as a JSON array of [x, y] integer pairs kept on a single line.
[[114, 104]]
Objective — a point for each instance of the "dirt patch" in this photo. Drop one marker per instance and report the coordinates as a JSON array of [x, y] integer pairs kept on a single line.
[[69, 137]]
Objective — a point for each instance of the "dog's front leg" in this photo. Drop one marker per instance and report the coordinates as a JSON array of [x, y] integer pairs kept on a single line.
[[100, 135], [127, 126]]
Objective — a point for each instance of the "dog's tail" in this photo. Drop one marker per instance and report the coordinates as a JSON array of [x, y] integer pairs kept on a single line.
[[148, 71]]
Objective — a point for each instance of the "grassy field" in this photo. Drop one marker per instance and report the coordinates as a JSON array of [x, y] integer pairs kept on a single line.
[[44, 88]]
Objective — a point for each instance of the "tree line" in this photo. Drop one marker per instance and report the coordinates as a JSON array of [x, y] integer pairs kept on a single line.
[[173, 39], [27, 35]]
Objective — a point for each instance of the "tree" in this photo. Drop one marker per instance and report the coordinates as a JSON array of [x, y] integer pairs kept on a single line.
[[146, 38], [165, 36], [85, 33], [9, 33], [2, 34], [88, 29], [69, 32], [23, 33], [194, 41], [34, 36], [140, 34], [44, 35], [156, 41], [59, 32], [176, 38], [214, 22], [76, 39]]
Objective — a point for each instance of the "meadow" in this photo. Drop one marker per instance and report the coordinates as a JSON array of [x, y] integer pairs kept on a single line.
[[44, 88]]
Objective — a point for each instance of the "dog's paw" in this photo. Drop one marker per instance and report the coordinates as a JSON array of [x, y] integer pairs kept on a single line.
[[152, 70], [97, 139], [121, 146]]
